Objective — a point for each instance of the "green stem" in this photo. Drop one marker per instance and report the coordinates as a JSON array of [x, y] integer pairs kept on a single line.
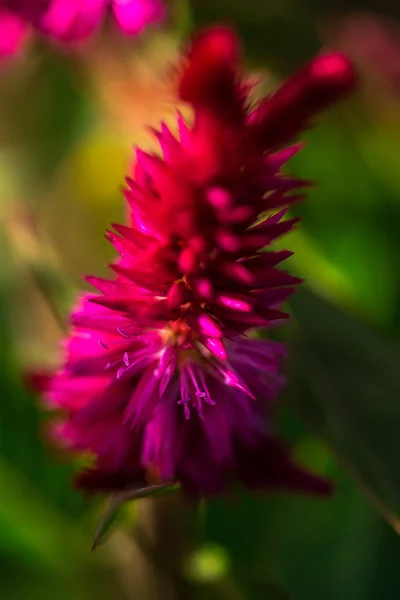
[[162, 534]]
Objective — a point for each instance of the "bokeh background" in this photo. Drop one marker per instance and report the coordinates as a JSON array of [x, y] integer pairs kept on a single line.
[[68, 122]]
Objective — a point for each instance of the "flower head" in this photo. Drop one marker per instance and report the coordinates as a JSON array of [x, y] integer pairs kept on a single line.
[[71, 20], [161, 381]]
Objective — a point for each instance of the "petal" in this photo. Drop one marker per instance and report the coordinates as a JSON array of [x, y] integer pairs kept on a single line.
[[268, 465], [38, 381], [73, 20], [13, 31], [97, 480]]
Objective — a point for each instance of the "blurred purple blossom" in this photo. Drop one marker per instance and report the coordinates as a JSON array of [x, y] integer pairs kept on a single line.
[[70, 21]]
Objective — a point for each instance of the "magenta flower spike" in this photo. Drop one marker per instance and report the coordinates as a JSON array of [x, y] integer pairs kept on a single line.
[[70, 21], [161, 382]]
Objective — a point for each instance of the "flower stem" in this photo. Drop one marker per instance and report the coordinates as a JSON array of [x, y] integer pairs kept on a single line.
[[162, 534]]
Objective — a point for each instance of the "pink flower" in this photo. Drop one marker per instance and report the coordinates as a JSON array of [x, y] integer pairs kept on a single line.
[[160, 378], [71, 20], [13, 32]]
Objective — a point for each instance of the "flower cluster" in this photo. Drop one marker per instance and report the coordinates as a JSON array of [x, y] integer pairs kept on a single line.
[[71, 20], [162, 382]]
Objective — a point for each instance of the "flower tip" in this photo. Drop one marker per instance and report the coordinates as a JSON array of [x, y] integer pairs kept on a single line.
[[219, 43], [334, 72], [314, 88], [210, 60]]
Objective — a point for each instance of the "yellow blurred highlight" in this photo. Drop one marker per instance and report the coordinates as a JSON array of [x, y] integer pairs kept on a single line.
[[99, 167], [134, 85], [208, 564]]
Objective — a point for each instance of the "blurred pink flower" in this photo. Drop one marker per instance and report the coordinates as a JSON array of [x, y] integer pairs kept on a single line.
[[13, 31], [372, 41], [71, 21]]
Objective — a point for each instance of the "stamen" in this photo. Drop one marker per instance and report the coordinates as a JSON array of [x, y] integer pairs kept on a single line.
[[194, 381], [185, 399], [107, 345], [198, 393], [186, 409], [194, 389], [166, 367], [112, 363], [207, 397], [132, 366]]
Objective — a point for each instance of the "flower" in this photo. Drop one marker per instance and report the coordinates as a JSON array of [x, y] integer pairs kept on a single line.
[[71, 20], [161, 381], [13, 32], [373, 42], [148, 406]]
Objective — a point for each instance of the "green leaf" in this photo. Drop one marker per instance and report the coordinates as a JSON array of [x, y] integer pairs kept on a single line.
[[106, 521], [118, 500], [34, 528], [345, 383]]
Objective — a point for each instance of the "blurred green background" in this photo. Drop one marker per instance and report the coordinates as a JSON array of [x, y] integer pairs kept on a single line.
[[67, 126]]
